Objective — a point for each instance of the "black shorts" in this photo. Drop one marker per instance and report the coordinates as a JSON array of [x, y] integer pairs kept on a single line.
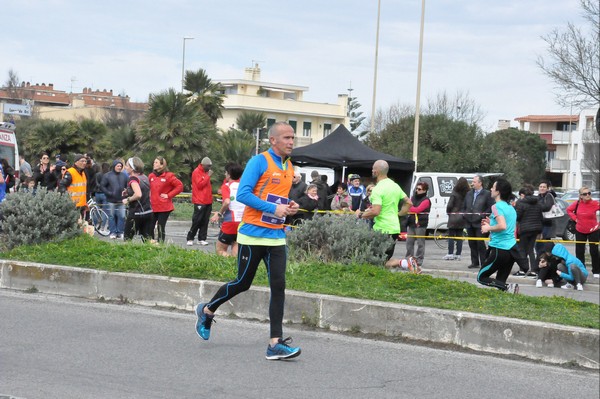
[[227, 239]]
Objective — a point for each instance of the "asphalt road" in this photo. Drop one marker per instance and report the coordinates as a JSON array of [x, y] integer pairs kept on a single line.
[[56, 347]]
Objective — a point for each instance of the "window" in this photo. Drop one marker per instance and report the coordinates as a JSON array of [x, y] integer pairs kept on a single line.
[[587, 180], [564, 126], [293, 124], [289, 96], [306, 129], [270, 122], [446, 185], [427, 180], [589, 122], [230, 90], [326, 129]]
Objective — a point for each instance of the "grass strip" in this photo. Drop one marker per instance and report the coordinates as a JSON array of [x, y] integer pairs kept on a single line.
[[355, 281]]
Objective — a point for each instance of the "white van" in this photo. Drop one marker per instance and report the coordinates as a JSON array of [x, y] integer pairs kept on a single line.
[[9, 149], [440, 189]]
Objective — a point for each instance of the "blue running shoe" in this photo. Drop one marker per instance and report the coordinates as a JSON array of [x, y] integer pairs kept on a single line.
[[282, 350], [203, 323]]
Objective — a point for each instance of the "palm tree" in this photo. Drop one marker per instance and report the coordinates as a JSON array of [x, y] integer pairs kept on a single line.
[[236, 145], [177, 130], [208, 95], [248, 121]]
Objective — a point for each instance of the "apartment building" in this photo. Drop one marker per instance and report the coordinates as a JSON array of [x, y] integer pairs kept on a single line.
[[572, 147], [44, 101], [281, 102]]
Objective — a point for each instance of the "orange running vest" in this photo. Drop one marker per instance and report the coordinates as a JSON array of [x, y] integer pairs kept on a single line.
[[274, 181]]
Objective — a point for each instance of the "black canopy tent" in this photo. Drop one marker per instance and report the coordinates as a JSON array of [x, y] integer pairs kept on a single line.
[[343, 152]]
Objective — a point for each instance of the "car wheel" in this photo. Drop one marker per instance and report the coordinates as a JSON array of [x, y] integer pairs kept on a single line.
[[568, 236]]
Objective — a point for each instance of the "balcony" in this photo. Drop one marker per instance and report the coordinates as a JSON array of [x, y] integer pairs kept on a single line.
[[558, 165], [264, 104], [300, 141], [590, 136], [560, 137]]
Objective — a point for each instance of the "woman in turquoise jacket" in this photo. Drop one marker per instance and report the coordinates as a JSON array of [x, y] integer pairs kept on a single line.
[[573, 270]]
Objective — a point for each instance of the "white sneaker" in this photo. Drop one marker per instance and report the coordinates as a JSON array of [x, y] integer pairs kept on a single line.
[[190, 243], [579, 287], [566, 286], [538, 284], [203, 243], [456, 257], [448, 257], [120, 236], [596, 275], [513, 289], [113, 236], [551, 285]]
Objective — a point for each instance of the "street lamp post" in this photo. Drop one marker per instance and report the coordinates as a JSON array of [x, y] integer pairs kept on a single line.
[[418, 101], [375, 69], [183, 62]]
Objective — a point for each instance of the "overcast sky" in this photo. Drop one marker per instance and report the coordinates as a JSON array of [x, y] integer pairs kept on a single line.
[[485, 47]]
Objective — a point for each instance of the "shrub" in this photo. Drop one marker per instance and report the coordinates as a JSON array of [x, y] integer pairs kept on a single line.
[[338, 238], [33, 219]]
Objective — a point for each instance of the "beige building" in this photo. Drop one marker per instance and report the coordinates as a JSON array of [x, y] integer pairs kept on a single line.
[[572, 147], [281, 102], [44, 101]]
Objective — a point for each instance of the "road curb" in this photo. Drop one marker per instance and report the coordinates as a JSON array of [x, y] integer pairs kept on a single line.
[[551, 343]]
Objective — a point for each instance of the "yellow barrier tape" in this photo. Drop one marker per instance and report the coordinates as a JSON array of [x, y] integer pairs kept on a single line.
[[487, 239]]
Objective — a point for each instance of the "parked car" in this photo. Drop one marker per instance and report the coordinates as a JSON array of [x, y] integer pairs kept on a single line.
[[560, 224], [571, 196]]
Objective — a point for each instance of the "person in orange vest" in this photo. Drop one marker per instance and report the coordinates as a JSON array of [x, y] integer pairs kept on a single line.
[[264, 189], [74, 183]]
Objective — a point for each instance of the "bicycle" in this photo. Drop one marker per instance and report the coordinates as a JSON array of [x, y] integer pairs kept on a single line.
[[214, 228], [440, 235], [98, 217]]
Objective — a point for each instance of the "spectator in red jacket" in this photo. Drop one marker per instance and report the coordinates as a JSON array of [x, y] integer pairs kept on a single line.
[[202, 200], [585, 213], [163, 187]]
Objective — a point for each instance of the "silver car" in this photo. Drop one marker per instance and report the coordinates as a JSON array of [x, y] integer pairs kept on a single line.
[[560, 224]]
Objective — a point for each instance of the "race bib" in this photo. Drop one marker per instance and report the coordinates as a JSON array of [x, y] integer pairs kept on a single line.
[[270, 218]]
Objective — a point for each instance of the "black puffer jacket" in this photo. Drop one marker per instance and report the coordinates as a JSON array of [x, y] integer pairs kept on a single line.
[[529, 215], [454, 207]]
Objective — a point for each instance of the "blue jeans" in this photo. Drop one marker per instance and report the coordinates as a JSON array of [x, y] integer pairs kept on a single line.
[[451, 241], [116, 217]]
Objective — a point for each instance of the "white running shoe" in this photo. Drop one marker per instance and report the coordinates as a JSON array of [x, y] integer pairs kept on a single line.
[[596, 275], [551, 285], [203, 243], [513, 289], [567, 286], [448, 257], [579, 287], [538, 284], [190, 243]]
